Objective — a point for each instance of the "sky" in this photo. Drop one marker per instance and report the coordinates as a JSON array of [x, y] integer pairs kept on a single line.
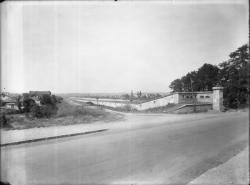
[[101, 46]]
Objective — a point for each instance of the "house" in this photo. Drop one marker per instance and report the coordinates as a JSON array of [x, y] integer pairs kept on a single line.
[[8, 102], [11, 105]]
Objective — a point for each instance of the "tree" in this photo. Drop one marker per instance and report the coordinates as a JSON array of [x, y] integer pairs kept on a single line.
[[28, 103], [139, 94], [48, 106], [19, 103], [47, 99], [36, 111], [46, 109], [207, 77], [176, 85], [232, 74], [234, 77], [204, 79]]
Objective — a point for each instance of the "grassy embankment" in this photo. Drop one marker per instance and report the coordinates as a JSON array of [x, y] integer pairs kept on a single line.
[[67, 114]]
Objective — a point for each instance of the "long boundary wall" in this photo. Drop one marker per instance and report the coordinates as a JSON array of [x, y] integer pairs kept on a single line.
[[214, 98], [174, 98], [170, 99]]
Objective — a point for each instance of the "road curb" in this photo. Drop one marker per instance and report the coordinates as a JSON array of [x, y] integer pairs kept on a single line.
[[52, 137]]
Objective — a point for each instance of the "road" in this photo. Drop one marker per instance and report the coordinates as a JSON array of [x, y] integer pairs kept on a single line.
[[161, 154]]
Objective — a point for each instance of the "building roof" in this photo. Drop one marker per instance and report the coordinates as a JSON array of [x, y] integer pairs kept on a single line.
[[7, 99], [196, 92], [39, 93]]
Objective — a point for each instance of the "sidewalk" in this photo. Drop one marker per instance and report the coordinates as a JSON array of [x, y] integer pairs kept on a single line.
[[233, 172], [132, 121], [20, 136]]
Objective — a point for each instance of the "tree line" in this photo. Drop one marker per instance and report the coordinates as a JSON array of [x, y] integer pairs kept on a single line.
[[232, 74]]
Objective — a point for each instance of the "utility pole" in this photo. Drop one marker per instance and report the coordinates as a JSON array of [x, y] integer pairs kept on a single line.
[[97, 98], [193, 96], [131, 95]]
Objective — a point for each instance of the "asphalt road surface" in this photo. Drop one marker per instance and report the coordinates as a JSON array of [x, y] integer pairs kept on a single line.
[[162, 154]]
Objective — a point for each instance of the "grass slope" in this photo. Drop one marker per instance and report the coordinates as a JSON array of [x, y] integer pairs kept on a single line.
[[67, 114]]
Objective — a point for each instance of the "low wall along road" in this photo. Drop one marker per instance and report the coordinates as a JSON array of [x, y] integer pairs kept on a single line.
[[195, 101]]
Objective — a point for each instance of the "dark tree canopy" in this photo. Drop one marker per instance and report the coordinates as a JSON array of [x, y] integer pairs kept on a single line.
[[232, 74], [234, 77], [201, 80], [176, 85]]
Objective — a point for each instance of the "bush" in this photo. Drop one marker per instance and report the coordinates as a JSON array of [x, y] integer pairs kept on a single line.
[[36, 111], [59, 99], [48, 110], [47, 99], [28, 103], [4, 122], [43, 111]]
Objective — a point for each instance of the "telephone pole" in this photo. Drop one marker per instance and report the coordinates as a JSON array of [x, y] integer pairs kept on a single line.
[[193, 96]]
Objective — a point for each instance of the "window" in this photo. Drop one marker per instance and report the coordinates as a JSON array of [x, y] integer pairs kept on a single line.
[[201, 96], [207, 96], [187, 96]]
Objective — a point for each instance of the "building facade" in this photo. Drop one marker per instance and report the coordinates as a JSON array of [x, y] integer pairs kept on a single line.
[[178, 98]]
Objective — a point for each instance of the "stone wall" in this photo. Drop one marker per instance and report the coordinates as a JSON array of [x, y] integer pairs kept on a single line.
[[170, 99]]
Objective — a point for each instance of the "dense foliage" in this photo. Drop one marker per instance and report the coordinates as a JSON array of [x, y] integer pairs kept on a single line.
[[232, 74], [47, 107], [234, 77], [203, 79], [28, 103]]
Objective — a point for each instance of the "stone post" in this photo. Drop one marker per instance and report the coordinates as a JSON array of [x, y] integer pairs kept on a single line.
[[218, 98]]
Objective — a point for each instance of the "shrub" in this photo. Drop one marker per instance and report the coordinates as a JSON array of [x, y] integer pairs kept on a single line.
[[4, 122], [36, 111], [48, 110], [59, 99], [28, 103], [47, 99], [43, 111]]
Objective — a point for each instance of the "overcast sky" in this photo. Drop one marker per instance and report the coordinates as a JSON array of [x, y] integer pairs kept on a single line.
[[114, 46]]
